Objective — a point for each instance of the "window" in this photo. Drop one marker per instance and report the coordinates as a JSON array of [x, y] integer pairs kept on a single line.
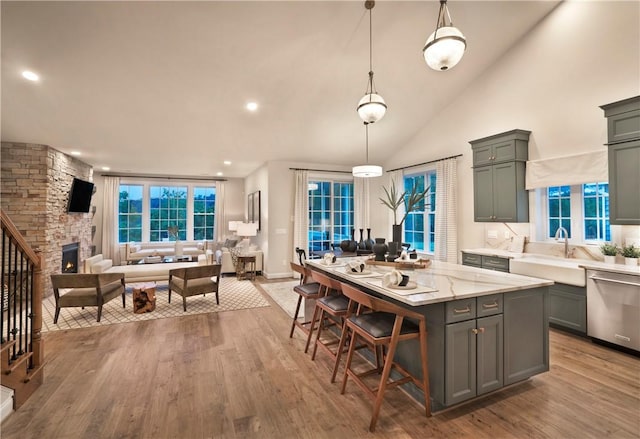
[[168, 207], [559, 199], [130, 213], [147, 209], [596, 211], [330, 213], [581, 209], [419, 227], [204, 204]]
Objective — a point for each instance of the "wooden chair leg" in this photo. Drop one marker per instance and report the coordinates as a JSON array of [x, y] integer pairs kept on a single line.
[[169, 295], [320, 325], [343, 340], [99, 312], [386, 371], [217, 298], [123, 302], [347, 364], [55, 317], [313, 322], [295, 316], [184, 304]]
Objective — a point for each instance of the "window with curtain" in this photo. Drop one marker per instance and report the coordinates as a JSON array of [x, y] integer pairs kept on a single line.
[[147, 209], [419, 227], [330, 213], [581, 209], [204, 210], [130, 213]]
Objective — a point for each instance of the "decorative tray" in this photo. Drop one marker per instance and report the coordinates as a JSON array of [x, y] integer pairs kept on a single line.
[[405, 265]]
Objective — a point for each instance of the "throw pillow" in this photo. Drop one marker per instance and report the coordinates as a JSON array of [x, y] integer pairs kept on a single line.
[[235, 252], [230, 243], [200, 246]]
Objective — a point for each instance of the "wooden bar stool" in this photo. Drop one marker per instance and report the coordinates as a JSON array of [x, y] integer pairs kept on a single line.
[[332, 308], [306, 290], [387, 325]]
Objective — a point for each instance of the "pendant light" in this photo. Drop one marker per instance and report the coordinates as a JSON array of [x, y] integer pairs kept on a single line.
[[367, 170], [371, 107], [446, 45]]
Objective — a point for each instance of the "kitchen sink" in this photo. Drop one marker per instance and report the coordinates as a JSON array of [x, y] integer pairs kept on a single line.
[[565, 271]]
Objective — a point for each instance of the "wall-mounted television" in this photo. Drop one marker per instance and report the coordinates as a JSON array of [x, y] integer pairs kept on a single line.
[[80, 196]]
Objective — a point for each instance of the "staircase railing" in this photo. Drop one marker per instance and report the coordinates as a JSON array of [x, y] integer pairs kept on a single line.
[[21, 351]]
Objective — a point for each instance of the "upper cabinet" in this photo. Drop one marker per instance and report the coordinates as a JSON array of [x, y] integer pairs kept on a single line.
[[499, 177], [623, 124]]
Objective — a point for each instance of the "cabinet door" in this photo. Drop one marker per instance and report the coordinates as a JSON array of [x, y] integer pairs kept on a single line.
[[483, 155], [624, 181], [526, 334], [568, 307], [483, 193], [489, 346], [460, 362], [471, 259], [505, 192], [623, 126], [495, 263]]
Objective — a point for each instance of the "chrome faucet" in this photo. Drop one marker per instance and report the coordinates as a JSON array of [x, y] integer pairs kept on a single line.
[[566, 239]]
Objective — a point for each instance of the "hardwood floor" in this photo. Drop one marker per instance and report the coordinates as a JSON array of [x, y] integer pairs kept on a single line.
[[237, 374]]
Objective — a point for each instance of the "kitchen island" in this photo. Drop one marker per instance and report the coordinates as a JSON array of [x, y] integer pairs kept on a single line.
[[486, 329]]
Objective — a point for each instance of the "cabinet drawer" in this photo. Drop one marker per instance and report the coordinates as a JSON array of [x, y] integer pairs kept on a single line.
[[489, 305], [471, 259], [459, 310], [624, 126], [495, 263]]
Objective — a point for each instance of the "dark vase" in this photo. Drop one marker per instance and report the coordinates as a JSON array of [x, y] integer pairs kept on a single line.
[[369, 242], [353, 245], [361, 243], [344, 245], [393, 250], [397, 233], [379, 249]]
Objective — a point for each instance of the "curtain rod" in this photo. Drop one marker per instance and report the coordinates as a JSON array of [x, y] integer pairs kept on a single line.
[[164, 178], [319, 170], [426, 163]]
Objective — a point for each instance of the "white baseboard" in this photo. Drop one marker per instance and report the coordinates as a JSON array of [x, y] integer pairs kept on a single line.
[[286, 275], [6, 403]]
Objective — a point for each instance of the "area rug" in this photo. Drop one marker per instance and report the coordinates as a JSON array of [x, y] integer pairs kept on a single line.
[[282, 293], [233, 294]]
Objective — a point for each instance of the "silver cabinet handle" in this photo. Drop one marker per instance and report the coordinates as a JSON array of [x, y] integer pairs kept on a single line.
[[490, 305], [615, 281], [477, 331], [461, 311]]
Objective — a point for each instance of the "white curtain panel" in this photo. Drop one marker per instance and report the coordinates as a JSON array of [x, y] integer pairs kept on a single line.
[[221, 215], [361, 203], [447, 211], [300, 210], [110, 244]]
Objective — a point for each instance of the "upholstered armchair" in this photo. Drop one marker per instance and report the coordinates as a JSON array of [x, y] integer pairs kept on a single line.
[[190, 281], [83, 289]]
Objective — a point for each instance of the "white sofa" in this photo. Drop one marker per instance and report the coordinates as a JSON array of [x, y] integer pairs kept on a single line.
[[136, 251], [135, 272]]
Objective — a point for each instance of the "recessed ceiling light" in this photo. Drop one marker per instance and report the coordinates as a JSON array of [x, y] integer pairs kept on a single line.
[[227, 162], [30, 75], [219, 174], [75, 153], [106, 168], [252, 106]]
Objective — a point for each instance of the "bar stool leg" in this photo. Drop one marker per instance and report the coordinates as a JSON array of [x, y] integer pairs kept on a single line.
[[320, 326], [343, 340], [295, 316], [313, 322], [347, 365]]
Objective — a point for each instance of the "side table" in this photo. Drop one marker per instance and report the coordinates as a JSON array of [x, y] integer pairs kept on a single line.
[[144, 297], [246, 268]]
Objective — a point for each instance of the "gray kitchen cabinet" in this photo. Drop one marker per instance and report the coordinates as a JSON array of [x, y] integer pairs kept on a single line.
[[568, 307], [499, 177], [623, 136], [526, 335], [485, 261], [473, 349]]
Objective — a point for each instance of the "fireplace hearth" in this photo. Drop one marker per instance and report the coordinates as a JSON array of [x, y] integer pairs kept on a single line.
[[70, 257]]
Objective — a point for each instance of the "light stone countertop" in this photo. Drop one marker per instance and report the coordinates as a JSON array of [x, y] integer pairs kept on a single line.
[[613, 268], [440, 282]]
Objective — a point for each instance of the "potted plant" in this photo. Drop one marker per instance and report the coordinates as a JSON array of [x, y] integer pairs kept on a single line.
[[393, 200], [609, 250], [631, 254]]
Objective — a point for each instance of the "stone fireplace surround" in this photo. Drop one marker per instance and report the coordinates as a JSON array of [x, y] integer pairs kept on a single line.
[[34, 191]]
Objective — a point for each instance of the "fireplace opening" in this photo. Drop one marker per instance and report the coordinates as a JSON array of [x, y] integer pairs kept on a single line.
[[70, 257]]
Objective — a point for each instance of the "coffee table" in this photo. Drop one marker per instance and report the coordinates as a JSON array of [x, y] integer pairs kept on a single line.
[[144, 297]]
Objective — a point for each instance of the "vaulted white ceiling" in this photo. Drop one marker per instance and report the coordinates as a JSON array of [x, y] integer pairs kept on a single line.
[[161, 87]]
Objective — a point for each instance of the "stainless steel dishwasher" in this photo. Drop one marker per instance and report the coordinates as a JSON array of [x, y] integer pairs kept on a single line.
[[613, 308]]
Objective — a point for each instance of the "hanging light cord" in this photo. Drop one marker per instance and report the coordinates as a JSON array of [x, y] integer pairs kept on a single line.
[[441, 21], [371, 88], [366, 126]]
